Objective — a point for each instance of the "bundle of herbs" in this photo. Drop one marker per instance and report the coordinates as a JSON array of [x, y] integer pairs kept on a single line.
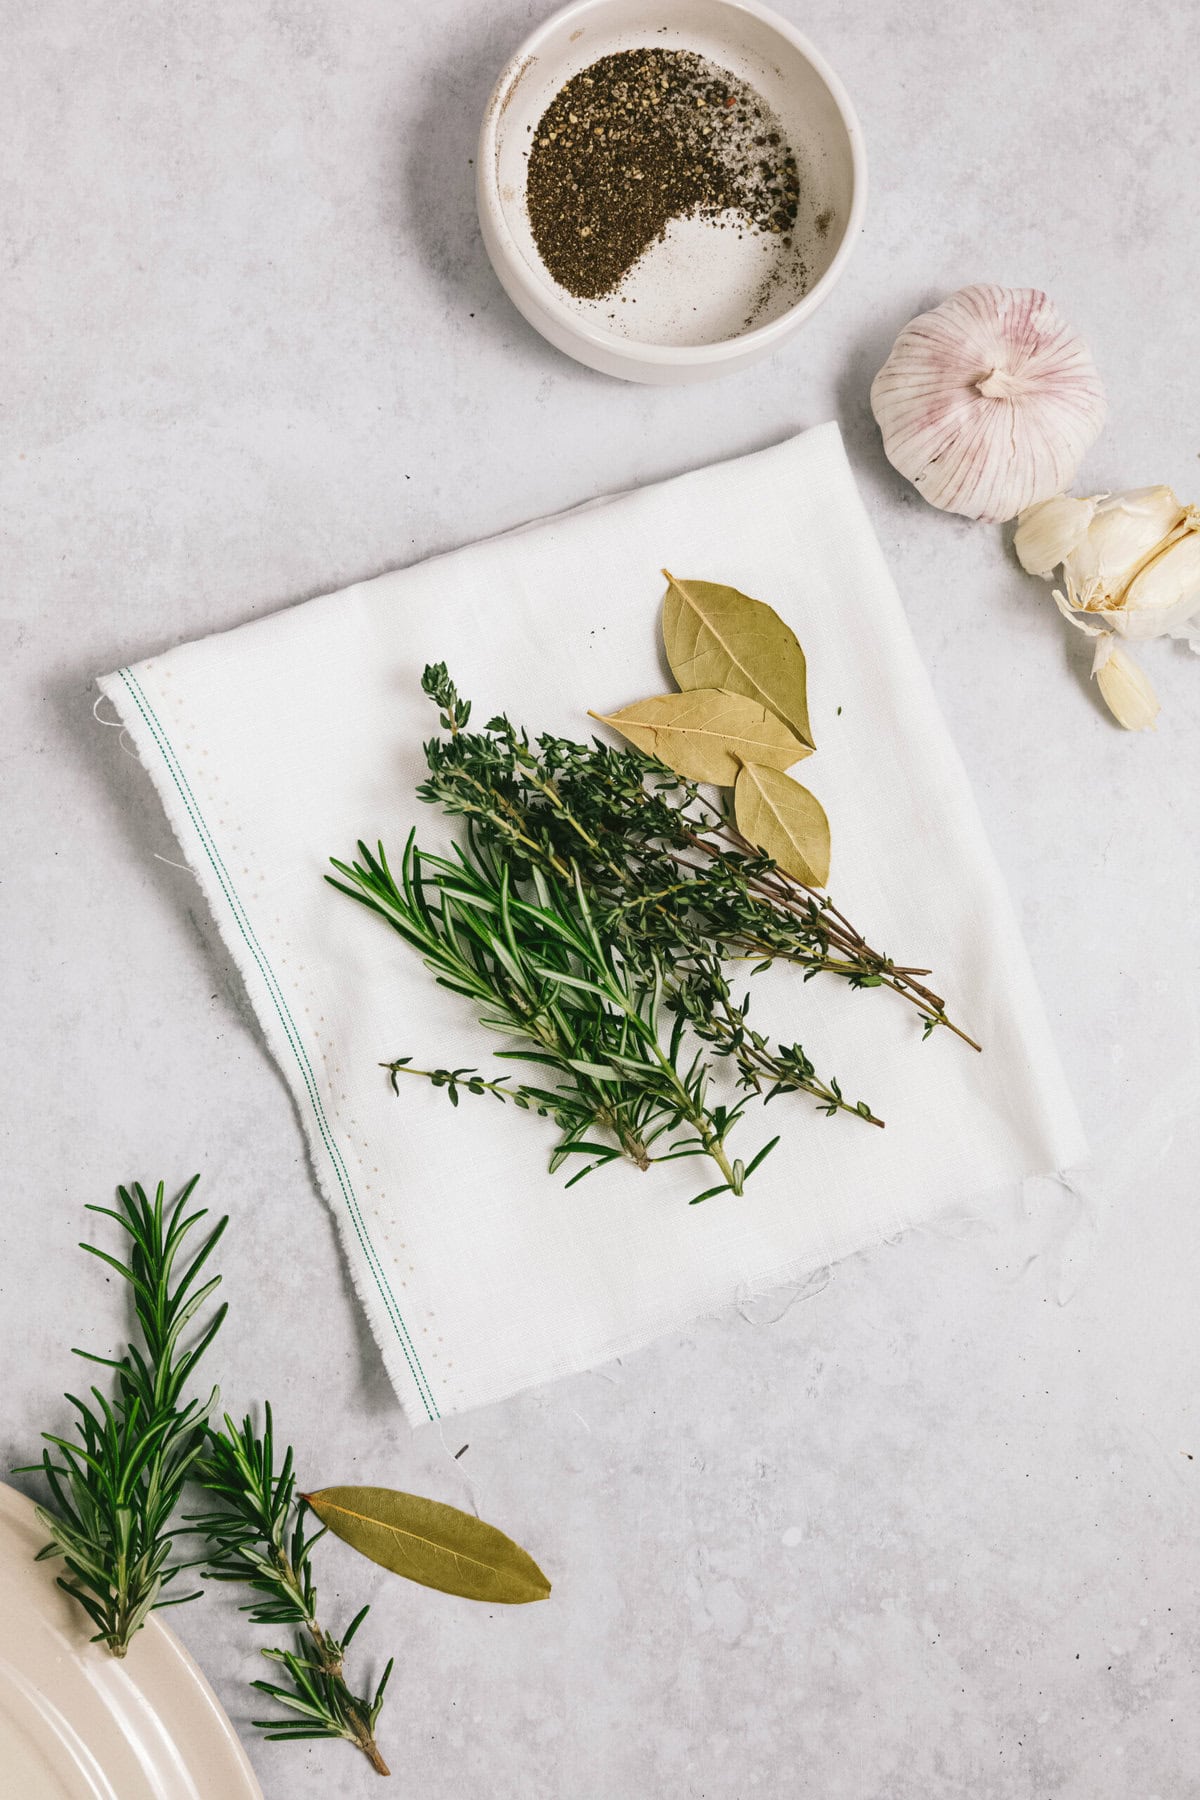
[[597, 896]]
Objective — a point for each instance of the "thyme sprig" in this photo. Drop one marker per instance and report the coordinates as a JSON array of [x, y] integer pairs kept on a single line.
[[256, 1536], [116, 1485]]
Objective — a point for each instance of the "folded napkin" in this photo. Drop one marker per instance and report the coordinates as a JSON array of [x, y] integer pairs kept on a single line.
[[279, 744]]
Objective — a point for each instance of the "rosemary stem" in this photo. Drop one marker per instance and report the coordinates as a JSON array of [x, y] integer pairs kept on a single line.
[[695, 1115], [330, 1661], [716, 1150]]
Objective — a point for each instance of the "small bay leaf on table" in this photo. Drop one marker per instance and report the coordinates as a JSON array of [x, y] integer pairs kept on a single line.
[[436, 1545], [707, 735], [716, 637], [776, 814]]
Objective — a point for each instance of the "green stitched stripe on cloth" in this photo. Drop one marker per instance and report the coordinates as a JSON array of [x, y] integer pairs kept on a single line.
[[241, 918]]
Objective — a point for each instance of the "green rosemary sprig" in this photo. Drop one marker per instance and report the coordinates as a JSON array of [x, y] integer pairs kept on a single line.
[[539, 971], [115, 1485], [256, 1536]]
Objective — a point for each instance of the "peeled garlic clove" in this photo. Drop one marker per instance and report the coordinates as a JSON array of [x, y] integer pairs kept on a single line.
[[1126, 529], [1165, 593], [988, 403], [1048, 532], [1125, 690]]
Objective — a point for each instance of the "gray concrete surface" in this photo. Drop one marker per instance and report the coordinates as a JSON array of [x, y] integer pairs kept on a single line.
[[930, 1532]]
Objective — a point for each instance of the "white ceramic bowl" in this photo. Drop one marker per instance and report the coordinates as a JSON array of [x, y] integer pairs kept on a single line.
[[694, 306]]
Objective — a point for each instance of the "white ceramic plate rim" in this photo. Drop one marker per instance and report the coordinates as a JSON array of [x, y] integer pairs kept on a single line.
[[544, 294], [190, 1750]]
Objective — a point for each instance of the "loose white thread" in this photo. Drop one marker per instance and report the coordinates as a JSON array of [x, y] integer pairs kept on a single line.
[[114, 725], [175, 865]]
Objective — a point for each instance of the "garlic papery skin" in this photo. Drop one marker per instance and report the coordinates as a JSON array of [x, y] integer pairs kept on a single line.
[[1127, 693], [988, 403]]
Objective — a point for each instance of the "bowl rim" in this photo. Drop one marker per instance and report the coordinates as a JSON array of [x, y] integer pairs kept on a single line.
[[543, 294]]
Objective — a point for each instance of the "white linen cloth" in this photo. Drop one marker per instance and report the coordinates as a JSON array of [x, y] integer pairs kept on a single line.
[[279, 744]]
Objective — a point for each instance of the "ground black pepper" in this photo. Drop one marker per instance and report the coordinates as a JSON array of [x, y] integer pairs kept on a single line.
[[638, 139]]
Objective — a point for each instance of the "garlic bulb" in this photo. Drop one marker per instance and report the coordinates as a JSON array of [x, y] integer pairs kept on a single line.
[[988, 403], [1131, 569], [1130, 562]]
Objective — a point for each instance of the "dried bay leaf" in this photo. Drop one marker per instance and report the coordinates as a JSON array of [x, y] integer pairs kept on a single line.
[[716, 637], [779, 816], [436, 1545], [707, 735]]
